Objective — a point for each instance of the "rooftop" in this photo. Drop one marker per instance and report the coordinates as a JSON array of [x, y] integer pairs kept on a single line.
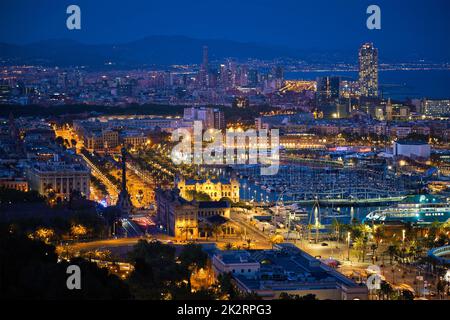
[[213, 204], [411, 142]]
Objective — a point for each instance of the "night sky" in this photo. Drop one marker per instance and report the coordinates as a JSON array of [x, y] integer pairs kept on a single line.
[[408, 26]]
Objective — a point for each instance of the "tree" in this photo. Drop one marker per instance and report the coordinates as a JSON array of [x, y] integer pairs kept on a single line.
[[276, 239], [440, 287], [44, 234], [78, 231], [12, 196], [192, 256], [59, 140], [157, 275], [337, 227], [378, 234], [248, 242], [30, 270], [392, 251], [385, 290], [361, 245], [140, 196], [216, 230], [407, 295], [226, 286], [111, 215], [287, 296], [374, 248]]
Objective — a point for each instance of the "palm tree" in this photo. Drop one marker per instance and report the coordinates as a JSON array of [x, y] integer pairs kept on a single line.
[[249, 242], [374, 248], [208, 229], [440, 287], [276, 239], [392, 251], [378, 234], [385, 290], [361, 245], [216, 230], [337, 229]]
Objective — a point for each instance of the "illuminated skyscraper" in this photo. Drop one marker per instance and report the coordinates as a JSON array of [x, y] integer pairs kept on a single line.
[[205, 57], [204, 69], [368, 70], [328, 88]]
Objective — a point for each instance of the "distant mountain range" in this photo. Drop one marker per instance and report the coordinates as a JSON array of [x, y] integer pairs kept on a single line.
[[153, 50]]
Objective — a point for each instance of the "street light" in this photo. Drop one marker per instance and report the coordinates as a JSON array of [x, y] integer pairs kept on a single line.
[[348, 245], [403, 235]]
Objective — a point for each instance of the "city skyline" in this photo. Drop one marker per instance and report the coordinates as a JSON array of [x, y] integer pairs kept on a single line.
[[335, 28], [307, 158]]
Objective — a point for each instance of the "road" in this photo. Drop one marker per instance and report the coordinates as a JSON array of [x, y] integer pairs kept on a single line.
[[259, 238], [113, 191]]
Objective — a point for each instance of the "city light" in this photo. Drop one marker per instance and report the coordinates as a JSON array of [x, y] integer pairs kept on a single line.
[[230, 163]]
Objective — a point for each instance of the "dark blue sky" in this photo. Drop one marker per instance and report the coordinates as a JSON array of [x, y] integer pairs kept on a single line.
[[408, 26]]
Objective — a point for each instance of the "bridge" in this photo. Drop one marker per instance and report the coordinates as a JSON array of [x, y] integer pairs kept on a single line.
[[441, 254]]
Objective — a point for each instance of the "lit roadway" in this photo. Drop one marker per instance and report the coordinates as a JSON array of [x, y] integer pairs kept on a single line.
[[112, 189], [251, 232], [102, 244]]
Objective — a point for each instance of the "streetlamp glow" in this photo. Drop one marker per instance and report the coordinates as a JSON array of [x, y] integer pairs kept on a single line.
[[348, 245]]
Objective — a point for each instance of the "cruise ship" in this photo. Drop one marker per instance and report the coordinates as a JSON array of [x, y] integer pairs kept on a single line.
[[418, 209]]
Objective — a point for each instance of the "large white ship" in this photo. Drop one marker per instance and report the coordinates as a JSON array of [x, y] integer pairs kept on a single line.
[[419, 209]]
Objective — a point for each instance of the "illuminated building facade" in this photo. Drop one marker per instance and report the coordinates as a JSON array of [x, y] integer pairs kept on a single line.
[[412, 149], [368, 70], [191, 219], [302, 141], [177, 216], [216, 189], [328, 89], [14, 183], [135, 139], [437, 108], [59, 178]]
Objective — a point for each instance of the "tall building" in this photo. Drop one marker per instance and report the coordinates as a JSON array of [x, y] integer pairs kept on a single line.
[[211, 118], [412, 149], [368, 70], [219, 120], [205, 58], [389, 110], [436, 108], [253, 77], [5, 92], [206, 115], [204, 69], [278, 72], [327, 89]]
